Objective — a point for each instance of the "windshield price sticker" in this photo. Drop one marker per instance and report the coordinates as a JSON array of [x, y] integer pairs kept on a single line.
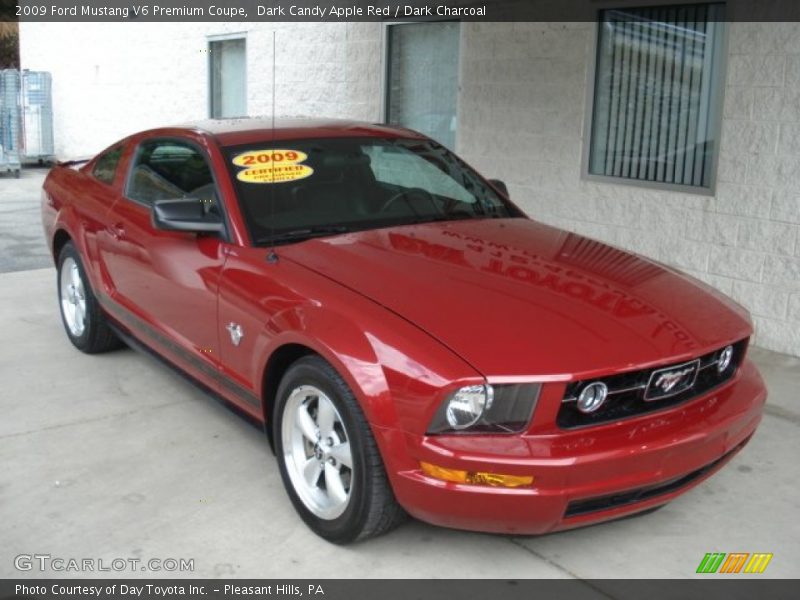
[[275, 173], [255, 158], [272, 166]]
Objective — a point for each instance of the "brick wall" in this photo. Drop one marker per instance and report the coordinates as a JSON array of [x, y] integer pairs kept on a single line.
[[521, 118], [113, 79]]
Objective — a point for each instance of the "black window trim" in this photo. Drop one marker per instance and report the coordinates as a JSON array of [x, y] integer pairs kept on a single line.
[[225, 234]]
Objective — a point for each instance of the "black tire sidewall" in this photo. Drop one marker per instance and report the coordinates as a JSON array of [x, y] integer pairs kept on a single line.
[[349, 524]]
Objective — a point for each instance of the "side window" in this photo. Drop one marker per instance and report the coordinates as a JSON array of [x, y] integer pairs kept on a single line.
[[166, 169], [106, 166]]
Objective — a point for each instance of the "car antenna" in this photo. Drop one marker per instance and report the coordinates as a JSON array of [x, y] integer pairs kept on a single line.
[[272, 257]]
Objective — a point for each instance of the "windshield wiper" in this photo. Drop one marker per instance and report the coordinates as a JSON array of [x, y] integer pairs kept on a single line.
[[306, 233], [458, 216]]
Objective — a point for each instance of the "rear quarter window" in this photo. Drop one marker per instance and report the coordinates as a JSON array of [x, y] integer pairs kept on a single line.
[[105, 167]]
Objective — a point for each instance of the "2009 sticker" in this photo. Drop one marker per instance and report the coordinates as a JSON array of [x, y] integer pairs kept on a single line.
[[270, 165], [255, 158]]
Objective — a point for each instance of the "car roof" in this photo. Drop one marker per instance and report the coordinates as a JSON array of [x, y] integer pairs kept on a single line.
[[243, 130]]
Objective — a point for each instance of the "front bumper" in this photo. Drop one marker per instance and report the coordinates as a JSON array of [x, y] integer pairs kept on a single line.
[[581, 476]]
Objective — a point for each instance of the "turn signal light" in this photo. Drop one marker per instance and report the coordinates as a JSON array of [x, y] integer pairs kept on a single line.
[[477, 478]]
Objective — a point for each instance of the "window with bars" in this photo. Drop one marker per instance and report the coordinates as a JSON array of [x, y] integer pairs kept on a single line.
[[655, 115]]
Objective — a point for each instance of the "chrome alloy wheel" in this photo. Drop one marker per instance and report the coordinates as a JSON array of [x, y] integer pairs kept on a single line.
[[316, 452], [73, 297]]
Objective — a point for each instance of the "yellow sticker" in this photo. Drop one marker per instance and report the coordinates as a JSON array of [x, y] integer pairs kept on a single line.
[[258, 158], [275, 173]]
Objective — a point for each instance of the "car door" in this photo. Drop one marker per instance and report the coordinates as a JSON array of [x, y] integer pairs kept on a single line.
[[98, 194], [164, 283]]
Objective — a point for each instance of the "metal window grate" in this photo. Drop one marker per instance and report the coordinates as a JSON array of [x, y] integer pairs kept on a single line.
[[655, 102]]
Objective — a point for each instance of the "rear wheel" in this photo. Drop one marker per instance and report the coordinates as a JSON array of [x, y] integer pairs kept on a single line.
[[84, 321], [328, 458]]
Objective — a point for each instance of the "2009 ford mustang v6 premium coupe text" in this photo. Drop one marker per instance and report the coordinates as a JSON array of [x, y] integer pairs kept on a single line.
[[409, 339]]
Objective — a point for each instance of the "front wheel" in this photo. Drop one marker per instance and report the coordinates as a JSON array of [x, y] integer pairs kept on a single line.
[[328, 458], [84, 322]]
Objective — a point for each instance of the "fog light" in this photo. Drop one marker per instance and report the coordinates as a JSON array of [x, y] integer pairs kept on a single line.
[[496, 480], [592, 397], [476, 478], [724, 360]]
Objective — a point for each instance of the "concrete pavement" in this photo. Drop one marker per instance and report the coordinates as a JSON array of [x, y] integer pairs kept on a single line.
[[22, 244], [116, 456]]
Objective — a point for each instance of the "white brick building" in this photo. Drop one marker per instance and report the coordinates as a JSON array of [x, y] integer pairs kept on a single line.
[[522, 98]]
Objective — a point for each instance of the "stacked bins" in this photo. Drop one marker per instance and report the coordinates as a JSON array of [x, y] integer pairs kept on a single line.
[[37, 113], [10, 121]]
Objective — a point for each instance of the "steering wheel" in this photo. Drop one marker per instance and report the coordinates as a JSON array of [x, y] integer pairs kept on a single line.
[[408, 194]]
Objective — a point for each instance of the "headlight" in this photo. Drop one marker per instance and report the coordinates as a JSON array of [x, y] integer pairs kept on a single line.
[[487, 409], [466, 406]]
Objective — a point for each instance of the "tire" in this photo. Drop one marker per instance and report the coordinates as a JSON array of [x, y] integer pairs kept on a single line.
[[313, 456], [83, 319]]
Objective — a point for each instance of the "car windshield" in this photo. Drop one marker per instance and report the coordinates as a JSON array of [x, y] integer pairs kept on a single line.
[[293, 190]]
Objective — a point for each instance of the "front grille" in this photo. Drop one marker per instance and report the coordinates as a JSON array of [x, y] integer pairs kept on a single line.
[[600, 503], [626, 392]]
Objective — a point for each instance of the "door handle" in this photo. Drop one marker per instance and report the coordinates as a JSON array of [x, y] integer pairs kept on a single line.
[[117, 231]]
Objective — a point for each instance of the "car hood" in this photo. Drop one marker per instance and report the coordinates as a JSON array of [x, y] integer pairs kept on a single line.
[[516, 298]]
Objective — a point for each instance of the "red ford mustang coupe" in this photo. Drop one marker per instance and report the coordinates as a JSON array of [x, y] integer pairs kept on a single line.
[[409, 339]]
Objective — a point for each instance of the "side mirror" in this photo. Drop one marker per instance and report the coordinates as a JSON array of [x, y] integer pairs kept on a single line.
[[500, 186], [185, 214]]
